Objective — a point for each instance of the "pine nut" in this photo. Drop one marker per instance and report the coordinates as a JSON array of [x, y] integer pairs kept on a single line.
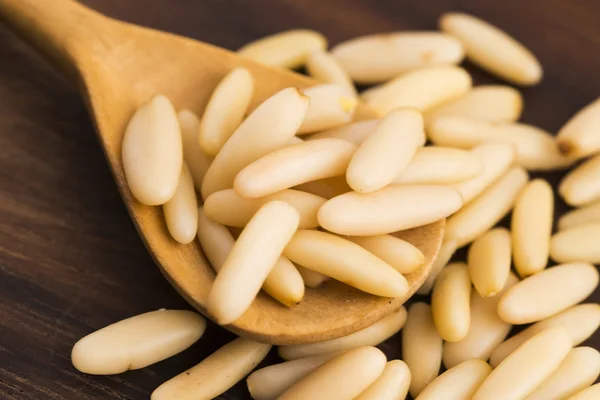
[[440, 165], [287, 49], [493, 49], [215, 239], [489, 103], [390, 209], [269, 127], [496, 159], [422, 89], [486, 331], [137, 342], [398, 253], [577, 244], [330, 106], [536, 297], [250, 260], [459, 382], [479, 216], [459, 132], [324, 67], [580, 322], [181, 211], [527, 367], [579, 136], [343, 260], [215, 374], [421, 347], [387, 151], [294, 165], [582, 185], [532, 227], [269, 382], [578, 370], [392, 384], [229, 208], [378, 58], [225, 110], [152, 152], [450, 302], [489, 259], [342, 378], [370, 336], [311, 278], [444, 255], [589, 214], [193, 156], [591, 393], [354, 132]]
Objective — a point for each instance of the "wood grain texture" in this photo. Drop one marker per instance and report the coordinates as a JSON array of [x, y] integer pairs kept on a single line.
[[71, 260]]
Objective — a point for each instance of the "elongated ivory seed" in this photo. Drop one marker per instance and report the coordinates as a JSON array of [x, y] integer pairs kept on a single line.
[[591, 393], [311, 278], [580, 216], [342, 378], [582, 185], [294, 165], [579, 136], [287, 49], [216, 373], [229, 208], [269, 127], [577, 244], [269, 382], [152, 152], [440, 166], [459, 132], [450, 302], [355, 132], [345, 261], [370, 336], [386, 152], [489, 259], [496, 159], [250, 260], [489, 103], [422, 89], [193, 156], [479, 216], [398, 253], [580, 322], [548, 293], [181, 211], [486, 331], [225, 110], [324, 67], [284, 283], [330, 106], [444, 255], [578, 370], [459, 382], [421, 347], [392, 384], [327, 188], [393, 208], [532, 227], [137, 342], [528, 366], [378, 58], [493, 49]]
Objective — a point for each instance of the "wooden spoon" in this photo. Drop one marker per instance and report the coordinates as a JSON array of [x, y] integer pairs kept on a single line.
[[119, 66]]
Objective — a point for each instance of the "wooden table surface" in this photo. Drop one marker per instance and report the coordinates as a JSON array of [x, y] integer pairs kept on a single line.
[[70, 259]]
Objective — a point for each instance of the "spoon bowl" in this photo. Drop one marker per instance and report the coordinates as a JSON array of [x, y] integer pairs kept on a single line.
[[118, 67]]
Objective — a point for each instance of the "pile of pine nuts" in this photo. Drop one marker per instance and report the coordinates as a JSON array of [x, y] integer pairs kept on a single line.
[[298, 162]]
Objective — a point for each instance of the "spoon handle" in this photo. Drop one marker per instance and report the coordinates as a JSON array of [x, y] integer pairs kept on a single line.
[[60, 29]]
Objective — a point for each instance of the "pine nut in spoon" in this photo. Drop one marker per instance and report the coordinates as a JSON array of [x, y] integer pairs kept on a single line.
[[84, 45]]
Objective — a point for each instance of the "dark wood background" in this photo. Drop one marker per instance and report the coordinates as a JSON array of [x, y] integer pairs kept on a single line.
[[70, 259]]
